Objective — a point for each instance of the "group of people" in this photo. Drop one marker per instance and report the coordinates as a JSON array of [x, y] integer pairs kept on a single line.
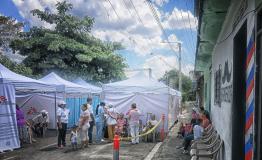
[[104, 117], [36, 125], [194, 130]]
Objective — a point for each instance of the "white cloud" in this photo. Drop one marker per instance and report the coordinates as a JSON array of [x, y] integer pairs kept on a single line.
[[161, 2], [25, 6], [180, 19], [142, 39], [161, 64]]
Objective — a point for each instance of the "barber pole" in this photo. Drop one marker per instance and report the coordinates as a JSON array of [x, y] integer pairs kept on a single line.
[[250, 102], [116, 147]]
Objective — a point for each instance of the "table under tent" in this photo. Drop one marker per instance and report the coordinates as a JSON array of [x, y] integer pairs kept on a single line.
[[150, 95], [74, 94], [13, 86]]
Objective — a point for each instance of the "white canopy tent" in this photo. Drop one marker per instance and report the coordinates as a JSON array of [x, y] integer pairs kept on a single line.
[[94, 89], [24, 84], [150, 95], [70, 89]]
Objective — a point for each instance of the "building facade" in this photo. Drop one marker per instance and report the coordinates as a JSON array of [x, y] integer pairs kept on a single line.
[[229, 57]]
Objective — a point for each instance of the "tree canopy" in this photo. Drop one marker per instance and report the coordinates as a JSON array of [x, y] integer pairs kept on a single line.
[[15, 67], [68, 48], [9, 29], [171, 78]]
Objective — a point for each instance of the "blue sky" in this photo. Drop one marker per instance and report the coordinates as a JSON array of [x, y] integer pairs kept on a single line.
[[142, 41]]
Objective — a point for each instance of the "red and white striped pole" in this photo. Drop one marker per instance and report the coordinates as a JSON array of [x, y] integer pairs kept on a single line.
[[163, 128], [116, 147]]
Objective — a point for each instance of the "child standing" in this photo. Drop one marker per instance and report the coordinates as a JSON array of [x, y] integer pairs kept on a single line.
[[120, 124], [73, 137]]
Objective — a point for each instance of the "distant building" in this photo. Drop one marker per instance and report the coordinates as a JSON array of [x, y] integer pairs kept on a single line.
[[228, 70]]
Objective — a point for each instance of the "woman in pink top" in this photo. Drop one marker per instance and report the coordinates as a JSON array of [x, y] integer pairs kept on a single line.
[[20, 118]]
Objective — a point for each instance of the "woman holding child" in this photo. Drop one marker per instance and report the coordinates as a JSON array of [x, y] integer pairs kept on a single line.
[[84, 125]]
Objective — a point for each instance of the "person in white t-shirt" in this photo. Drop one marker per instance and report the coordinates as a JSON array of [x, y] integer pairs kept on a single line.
[[62, 121], [111, 117]]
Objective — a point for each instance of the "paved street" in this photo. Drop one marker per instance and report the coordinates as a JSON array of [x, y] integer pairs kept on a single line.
[[94, 152], [168, 150]]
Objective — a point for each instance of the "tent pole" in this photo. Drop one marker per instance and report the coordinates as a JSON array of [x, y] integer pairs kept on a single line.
[[55, 115], [74, 110]]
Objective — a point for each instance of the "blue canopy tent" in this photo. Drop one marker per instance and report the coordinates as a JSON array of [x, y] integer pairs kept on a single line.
[[74, 94], [74, 104]]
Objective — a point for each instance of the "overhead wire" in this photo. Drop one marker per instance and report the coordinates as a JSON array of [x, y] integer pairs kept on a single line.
[[160, 25], [189, 21], [152, 9], [190, 42], [133, 41], [140, 20], [188, 59]]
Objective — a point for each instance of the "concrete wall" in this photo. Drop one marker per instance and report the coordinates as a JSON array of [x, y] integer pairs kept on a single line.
[[223, 52], [207, 90]]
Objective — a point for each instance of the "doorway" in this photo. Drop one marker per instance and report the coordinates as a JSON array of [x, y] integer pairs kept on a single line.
[[239, 92]]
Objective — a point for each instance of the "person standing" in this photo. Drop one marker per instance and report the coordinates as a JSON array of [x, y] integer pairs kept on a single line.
[[91, 120], [133, 116], [41, 122], [62, 121], [20, 118], [84, 125], [100, 118], [111, 118]]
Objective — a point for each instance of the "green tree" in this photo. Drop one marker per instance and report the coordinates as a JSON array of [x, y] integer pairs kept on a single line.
[[15, 67], [69, 49], [9, 29], [171, 78]]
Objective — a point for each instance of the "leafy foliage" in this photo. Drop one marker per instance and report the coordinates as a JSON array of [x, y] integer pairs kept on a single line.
[[15, 67], [8, 31], [69, 49], [172, 79]]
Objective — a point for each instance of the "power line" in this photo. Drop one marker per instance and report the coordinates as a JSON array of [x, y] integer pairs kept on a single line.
[[129, 37], [114, 9], [152, 9], [108, 15], [190, 42], [191, 31], [140, 19], [159, 23], [127, 7]]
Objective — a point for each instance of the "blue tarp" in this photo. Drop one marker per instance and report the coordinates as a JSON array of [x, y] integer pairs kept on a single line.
[[74, 105]]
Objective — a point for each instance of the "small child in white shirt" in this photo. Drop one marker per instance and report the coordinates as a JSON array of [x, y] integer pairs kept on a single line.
[[73, 137]]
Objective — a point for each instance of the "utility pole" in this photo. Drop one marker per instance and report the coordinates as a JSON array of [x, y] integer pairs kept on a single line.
[[179, 67], [180, 74]]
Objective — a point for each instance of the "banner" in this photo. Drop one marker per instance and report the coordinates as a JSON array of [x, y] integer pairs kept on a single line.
[[9, 137]]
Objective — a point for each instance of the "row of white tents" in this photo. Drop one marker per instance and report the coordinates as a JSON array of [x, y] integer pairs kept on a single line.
[[151, 96]]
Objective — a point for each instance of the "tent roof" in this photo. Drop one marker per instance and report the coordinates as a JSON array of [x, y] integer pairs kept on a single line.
[[142, 84], [93, 88], [22, 83], [64, 85]]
